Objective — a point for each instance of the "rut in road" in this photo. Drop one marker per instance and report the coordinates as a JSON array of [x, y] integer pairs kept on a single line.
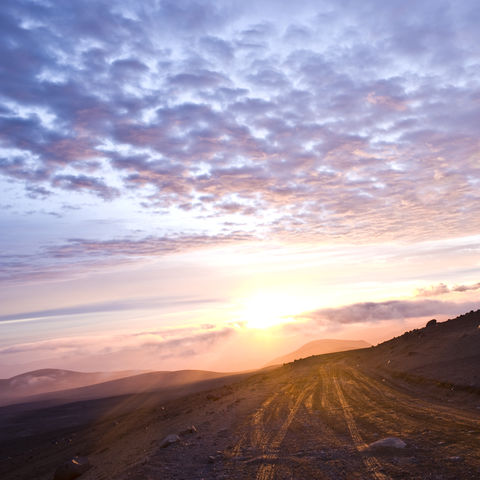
[[291, 434], [318, 425], [266, 470], [371, 462], [256, 421]]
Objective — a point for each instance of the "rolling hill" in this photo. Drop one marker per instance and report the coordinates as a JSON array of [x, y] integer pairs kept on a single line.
[[48, 380]]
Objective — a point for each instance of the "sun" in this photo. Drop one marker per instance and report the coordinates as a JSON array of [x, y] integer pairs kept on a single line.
[[262, 311]]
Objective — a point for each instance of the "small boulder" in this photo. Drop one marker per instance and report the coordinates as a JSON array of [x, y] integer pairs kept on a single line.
[[190, 429], [455, 459], [210, 396], [72, 469], [389, 442], [169, 439], [431, 323]]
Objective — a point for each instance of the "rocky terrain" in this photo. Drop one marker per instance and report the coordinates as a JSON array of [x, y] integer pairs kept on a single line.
[[447, 352], [379, 412]]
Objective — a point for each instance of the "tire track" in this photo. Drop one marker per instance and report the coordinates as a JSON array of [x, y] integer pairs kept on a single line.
[[431, 430], [267, 470], [256, 421], [309, 403], [382, 413], [371, 463], [414, 407]]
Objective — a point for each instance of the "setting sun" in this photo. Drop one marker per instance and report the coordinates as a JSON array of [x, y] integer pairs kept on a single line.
[[266, 310]]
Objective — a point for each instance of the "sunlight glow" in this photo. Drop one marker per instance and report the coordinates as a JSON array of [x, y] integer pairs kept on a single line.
[[266, 310]]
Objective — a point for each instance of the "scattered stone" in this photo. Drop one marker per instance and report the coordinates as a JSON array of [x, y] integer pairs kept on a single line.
[[72, 469], [389, 442], [455, 459], [190, 429], [169, 439], [211, 459]]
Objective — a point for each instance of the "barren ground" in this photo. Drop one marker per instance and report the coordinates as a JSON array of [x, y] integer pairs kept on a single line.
[[308, 420]]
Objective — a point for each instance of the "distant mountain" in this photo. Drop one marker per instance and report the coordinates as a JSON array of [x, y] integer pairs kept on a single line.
[[133, 384], [319, 347], [49, 380]]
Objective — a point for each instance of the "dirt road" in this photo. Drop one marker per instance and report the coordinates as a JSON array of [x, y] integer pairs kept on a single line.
[[316, 422], [313, 419]]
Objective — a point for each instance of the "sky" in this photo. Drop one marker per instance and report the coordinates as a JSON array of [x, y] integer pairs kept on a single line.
[[209, 184]]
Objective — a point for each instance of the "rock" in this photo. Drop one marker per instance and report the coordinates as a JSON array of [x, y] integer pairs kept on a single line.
[[431, 323], [389, 442], [211, 459], [72, 469], [213, 397], [455, 459], [190, 429], [169, 439]]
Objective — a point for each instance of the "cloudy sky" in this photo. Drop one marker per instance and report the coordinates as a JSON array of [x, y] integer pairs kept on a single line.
[[208, 183]]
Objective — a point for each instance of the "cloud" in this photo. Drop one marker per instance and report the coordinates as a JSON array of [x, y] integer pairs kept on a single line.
[[336, 121], [198, 80], [218, 47], [369, 312], [442, 289], [78, 255], [149, 246], [80, 183], [160, 344], [111, 306]]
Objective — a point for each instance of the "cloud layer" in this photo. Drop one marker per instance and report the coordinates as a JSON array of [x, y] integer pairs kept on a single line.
[[442, 289], [109, 306], [333, 120], [368, 312], [160, 344]]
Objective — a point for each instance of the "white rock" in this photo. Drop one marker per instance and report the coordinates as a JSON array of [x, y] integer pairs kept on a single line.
[[389, 442], [169, 439]]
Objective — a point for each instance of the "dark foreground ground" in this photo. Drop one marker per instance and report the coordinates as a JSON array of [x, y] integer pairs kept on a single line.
[[312, 419]]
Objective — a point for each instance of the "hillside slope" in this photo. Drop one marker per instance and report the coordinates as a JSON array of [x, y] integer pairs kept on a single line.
[[444, 351], [319, 347], [48, 380], [136, 384]]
